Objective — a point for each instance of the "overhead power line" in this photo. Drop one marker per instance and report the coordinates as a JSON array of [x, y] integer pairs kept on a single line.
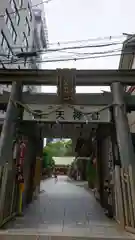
[[83, 58], [80, 47], [91, 53], [19, 61], [88, 40], [76, 47], [43, 2], [24, 8], [76, 41], [79, 58], [28, 55], [105, 44], [69, 59]]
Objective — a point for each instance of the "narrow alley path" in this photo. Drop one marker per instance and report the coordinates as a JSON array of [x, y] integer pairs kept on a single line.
[[64, 208]]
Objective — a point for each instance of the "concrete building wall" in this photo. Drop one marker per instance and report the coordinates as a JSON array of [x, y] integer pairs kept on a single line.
[[127, 61], [16, 30], [20, 31], [131, 116], [40, 39], [16, 34]]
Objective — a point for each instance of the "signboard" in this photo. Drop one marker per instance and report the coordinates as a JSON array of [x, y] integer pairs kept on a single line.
[[66, 86], [68, 113]]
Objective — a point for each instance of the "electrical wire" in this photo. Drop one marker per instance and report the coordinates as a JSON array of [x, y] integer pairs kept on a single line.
[[15, 58], [67, 59], [79, 47], [43, 2], [69, 42], [12, 60], [47, 1], [24, 8], [88, 40], [76, 53], [92, 53], [76, 47], [83, 58], [70, 47], [70, 59]]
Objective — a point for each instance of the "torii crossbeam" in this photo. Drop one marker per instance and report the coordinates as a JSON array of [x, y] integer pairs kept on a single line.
[[81, 77]]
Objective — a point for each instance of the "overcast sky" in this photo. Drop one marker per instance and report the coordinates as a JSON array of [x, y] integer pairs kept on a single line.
[[84, 19]]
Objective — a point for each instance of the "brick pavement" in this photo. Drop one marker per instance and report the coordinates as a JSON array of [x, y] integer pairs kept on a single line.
[[64, 209]]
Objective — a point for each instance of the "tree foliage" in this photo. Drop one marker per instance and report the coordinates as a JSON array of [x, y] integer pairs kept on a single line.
[[59, 149], [69, 150], [56, 149]]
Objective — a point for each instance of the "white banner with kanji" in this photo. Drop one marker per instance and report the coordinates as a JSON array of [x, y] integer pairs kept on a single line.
[[71, 113]]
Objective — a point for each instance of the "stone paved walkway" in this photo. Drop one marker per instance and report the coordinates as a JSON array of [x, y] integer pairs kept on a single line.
[[64, 209]]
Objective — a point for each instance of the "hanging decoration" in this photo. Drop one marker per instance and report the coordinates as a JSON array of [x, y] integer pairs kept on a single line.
[[22, 151]]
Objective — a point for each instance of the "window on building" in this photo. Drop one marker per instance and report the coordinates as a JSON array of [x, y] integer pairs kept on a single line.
[[27, 27], [10, 26], [12, 3], [5, 46], [25, 62], [20, 3], [14, 36], [29, 12], [25, 41], [1, 39], [2, 65], [17, 17], [6, 17], [15, 11]]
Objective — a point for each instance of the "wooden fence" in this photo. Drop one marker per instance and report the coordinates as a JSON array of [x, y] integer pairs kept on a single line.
[[124, 198], [8, 194]]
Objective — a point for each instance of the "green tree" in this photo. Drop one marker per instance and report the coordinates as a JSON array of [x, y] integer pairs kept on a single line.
[[91, 174], [59, 149], [48, 163], [69, 150], [55, 149]]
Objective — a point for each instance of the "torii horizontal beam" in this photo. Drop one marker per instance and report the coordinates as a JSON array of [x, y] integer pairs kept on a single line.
[[57, 130], [82, 77], [99, 99]]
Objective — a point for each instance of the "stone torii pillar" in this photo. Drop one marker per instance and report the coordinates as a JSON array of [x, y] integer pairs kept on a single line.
[[39, 155], [126, 151], [9, 126], [123, 134]]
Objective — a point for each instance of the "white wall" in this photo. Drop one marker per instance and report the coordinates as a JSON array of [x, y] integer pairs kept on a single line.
[[131, 116]]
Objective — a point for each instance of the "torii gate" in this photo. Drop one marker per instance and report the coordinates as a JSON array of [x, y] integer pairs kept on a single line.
[[67, 80]]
